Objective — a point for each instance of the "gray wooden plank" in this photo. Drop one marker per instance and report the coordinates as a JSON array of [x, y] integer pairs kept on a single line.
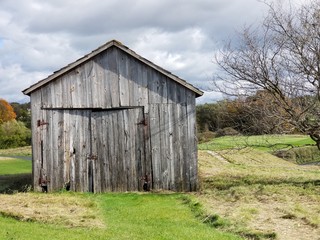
[[106, 75], [192, 141], [138, 160], [184, 148], [172, 92], [114, 153], [147, 148], [164, 141], [113, 77], [154, 87], [122, 166], [124, 89], [171, 149], [96, 147], [177, 147], [36, 138], [127, 150], [143, 91], [155, 145], [108, 141]]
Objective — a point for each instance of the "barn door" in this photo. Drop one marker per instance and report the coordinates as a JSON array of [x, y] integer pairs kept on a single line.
[[118, 161]]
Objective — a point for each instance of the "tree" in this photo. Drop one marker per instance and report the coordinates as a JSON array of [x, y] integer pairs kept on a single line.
[[282, 57], [23, 112], [14, 134], [6, 111]]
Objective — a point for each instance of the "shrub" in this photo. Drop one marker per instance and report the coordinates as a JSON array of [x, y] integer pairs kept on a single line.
[[206, 136], [14, 134], [228, 131], [300, 155]]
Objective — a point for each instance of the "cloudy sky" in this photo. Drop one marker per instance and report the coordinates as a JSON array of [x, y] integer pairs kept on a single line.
[[38, 37]]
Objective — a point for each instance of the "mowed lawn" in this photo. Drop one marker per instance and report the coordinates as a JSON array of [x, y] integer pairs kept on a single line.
[[101, 216], [267, 143], [14, 166]]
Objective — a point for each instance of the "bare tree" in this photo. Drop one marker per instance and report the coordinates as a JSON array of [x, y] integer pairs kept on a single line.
[[282, 57]]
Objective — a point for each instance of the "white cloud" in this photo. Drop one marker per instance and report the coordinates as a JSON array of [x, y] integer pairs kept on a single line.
[[14, 79], [209, 97], [38, 37]]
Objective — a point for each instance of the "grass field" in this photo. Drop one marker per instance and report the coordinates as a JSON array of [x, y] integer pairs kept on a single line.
[[15, 173], [244, 191], [267, 143], [14, 166]]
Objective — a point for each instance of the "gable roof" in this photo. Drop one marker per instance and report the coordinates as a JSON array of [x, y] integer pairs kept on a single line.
[[100, 49]]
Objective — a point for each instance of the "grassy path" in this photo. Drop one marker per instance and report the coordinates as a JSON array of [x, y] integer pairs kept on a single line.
[[124, 216]]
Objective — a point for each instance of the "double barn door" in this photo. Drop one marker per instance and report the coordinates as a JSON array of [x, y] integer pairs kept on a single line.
[[95, 150]]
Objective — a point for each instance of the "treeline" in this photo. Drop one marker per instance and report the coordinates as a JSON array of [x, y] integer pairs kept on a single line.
[[15, 124], [254, 115]]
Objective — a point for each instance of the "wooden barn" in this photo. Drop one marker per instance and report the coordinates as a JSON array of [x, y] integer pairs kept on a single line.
[[113, 121]]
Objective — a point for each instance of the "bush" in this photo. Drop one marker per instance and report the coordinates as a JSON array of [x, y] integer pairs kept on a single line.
[[228, 131], [206, 136], [14, 134], [300, 155]]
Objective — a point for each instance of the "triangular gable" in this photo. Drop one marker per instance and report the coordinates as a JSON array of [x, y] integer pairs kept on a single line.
[[97, 51]]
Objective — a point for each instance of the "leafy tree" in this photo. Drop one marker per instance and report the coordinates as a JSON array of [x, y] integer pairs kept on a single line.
[[23, 112], [14, 134], [6, 111], [282, 57], [253, 115]]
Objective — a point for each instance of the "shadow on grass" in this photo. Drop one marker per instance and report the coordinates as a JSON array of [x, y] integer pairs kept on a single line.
[[15, 183]]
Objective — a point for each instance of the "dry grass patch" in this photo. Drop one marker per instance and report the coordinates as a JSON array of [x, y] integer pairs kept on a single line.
[[7, 158], [261, 195], [20, 151], [62, 209]]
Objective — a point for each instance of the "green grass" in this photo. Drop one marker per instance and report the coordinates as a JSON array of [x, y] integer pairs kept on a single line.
[[15, 174], [126, 216], [15, 166], [263, 142]]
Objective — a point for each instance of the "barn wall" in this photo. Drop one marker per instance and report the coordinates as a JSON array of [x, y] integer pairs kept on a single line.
[[115, 79]]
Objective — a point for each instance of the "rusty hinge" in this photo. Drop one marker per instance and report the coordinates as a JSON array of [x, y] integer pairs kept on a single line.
[[143, 122], [41, 123], [92, 157]]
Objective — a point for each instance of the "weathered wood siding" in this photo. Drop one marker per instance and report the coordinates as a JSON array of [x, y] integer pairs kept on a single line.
[[131, 94]]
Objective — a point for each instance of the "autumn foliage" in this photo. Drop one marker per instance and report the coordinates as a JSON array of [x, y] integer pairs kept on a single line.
[[6, 112]]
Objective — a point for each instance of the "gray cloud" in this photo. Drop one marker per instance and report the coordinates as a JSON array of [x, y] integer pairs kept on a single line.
[[38, 37]]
